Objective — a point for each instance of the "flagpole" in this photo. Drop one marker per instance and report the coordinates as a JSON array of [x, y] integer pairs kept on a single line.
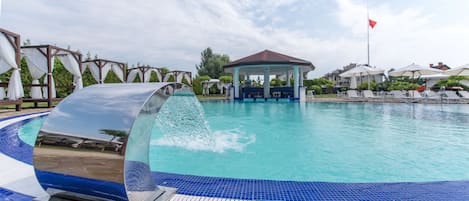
[[368, 33]]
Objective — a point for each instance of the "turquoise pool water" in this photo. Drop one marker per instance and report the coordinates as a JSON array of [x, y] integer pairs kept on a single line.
[[336, 142]]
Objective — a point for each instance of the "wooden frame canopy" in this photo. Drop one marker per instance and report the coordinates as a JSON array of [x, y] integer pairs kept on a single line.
[[176, 73], [100, 63], [14, 40], [144, 69], [49, 51]]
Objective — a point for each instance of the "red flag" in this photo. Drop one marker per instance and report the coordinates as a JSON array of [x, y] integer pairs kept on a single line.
[[372, 23]]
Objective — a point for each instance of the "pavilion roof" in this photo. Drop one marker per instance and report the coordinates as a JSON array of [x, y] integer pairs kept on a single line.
[[267, 57]]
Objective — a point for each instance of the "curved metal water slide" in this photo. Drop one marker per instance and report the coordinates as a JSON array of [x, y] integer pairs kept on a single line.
[[97, 140]]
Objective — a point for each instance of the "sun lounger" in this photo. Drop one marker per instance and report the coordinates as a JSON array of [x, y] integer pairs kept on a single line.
[[400, 95], [352, 94], [415, 95], [464, 95], [369, 95], [432, 96], [451, 96]]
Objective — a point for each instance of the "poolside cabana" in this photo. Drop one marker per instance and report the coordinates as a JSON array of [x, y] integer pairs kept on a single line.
[[144, 73], [40, 60], [100, 68], [10, 59], [207, 84], [269, 63], [179, 76]]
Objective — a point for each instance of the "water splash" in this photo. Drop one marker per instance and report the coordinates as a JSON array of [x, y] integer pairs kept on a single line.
[[182, 124]]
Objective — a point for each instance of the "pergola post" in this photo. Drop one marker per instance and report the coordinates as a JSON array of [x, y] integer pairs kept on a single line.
[[266, 82], [296, 84], [288, 78], [49, 77], [236, 82], [100, 67]]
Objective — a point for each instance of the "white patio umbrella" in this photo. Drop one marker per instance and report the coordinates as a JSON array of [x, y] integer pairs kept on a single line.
[[353, 82], [360, 71], [461, 70], [412, 70]]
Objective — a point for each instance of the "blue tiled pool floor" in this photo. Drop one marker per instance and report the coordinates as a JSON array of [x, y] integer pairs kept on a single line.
[[249, 189]]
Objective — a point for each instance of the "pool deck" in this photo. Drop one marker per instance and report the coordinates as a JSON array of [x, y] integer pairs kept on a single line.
[[19, 183]]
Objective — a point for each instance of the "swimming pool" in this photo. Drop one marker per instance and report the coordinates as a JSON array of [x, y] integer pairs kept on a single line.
[[333, 142]]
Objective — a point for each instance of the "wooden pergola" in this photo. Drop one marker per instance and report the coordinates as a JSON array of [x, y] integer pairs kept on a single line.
[[144, 69], [100, 63], [14, 40], [177, 73], [50, 51]]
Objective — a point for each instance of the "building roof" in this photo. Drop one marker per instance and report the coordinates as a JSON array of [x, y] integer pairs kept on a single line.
[[267, 57]]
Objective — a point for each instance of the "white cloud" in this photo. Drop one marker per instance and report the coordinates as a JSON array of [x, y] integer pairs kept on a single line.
[[173, 33]]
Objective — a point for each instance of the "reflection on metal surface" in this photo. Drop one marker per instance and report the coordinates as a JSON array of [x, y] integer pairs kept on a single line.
[[102, 133]]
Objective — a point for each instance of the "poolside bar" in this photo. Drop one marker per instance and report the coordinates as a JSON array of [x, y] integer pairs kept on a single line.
[[268, 63]]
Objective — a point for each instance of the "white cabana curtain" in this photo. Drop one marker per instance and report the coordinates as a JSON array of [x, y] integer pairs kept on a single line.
[[220, 86], [158, 74], [188, 78], [45, 90], [37, 66], [148, 75], [133, 74], [207, 87], [8, 61], [105, 70], [166, 77], [179, 77], [2, 93], [94, 69], [73, 67], [118, 71], [208, 84]]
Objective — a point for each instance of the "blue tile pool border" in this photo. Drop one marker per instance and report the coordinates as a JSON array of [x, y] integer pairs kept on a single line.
[[251, 189]]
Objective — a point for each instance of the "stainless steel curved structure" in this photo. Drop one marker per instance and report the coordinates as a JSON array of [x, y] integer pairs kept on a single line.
[[95, 143]]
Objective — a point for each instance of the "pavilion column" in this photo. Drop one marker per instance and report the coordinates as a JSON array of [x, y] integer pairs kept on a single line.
[[301, 77], [236, 82], [288, 78], [296, 81], [266, 82], [246, 78]]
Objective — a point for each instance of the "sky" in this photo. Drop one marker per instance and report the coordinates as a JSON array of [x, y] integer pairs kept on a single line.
[[172, 33]]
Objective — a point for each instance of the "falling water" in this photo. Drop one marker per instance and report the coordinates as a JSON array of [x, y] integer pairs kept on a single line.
[[181, 123]]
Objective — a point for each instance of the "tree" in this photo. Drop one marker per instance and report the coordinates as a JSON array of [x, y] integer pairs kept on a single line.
[[211, 64]]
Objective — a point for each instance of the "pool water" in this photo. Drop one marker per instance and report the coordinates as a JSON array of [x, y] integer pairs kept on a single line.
[[334, 142]]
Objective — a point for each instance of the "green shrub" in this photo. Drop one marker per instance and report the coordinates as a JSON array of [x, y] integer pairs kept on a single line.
[[197, 84], [316, 88], [318, 81], [276, 82], [401, 85], [364, 86], [226, 79]]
